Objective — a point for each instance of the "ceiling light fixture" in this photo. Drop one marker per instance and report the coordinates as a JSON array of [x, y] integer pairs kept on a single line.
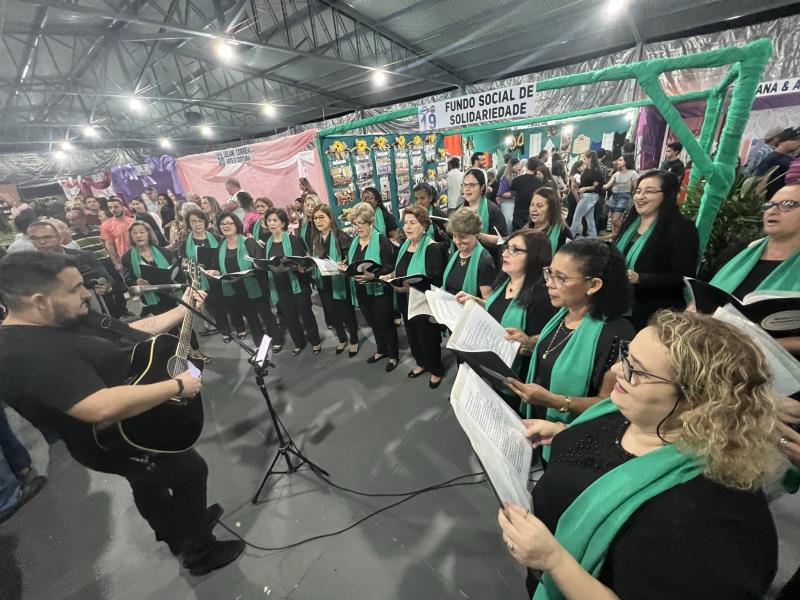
[[60, 155], [136, 104], [615, 6], [269, 109], [734, 17], [224, 50], [206, 131], [89, 131], [66, 146], [566, 129], [165, 143], [379, 77]]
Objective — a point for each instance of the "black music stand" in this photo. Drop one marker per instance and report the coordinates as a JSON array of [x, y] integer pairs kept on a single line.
[[286, 445]]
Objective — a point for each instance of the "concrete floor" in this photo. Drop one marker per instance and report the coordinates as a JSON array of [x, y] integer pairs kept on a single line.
[[82, 539]]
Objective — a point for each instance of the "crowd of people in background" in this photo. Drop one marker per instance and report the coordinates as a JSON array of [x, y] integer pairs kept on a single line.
[[594, 317]]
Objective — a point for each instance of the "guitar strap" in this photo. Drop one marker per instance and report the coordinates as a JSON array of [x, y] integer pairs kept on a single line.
[[98, 321]]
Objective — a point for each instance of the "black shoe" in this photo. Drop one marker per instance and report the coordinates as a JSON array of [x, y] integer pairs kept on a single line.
[[277, 348], [215, 556], [241, 334], [30, 488], [227, 339], [352, 353], [375, 358], [297, 350], [391, 366], [213, 515], [414, 374], [435, 384], [340, 350], [316, 349], [208, 331]]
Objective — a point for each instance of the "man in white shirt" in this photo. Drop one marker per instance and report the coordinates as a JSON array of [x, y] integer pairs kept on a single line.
[[454, 177], [233, 187]]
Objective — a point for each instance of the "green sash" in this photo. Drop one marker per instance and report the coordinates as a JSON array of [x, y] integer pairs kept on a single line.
[[632, 255], [593, 520], [483, 213], [286, 244], [515, 315], [337, 281], [303, 229], [136, 265], [573, 368], [417, 264], [373, 252], [553, 236], [255, 231], [191, 254], [470, 285], [250, 283], [380, 222], [786, 277]]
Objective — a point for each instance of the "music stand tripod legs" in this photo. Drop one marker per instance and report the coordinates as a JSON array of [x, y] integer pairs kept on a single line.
[[286, 446]]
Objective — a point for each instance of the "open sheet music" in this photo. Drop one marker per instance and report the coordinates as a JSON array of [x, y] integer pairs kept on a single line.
[[785, 368], [478, 331], [436, 303], [497, 436]]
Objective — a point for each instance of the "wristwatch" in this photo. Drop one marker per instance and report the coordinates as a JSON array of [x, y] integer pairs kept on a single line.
[[565, 407], [180, 386]]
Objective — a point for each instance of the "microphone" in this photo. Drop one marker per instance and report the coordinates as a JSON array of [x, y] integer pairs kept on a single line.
[[138, 290]]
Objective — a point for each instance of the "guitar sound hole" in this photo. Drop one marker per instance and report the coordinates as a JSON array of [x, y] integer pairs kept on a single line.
[[176, 366]]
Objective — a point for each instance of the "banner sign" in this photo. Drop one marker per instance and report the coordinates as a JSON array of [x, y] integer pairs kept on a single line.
[[780, 86], [233, 156], [516, 102]]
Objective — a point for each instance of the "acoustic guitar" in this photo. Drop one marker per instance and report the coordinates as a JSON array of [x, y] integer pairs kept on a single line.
[[175, 425]]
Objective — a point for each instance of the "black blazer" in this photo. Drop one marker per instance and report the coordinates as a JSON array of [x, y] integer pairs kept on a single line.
[[668, 256]]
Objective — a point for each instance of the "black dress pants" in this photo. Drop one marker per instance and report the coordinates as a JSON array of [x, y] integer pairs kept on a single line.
[[297, 316], [379, 313], [240, 303], [171, 495], [341, 313], [425, 342]]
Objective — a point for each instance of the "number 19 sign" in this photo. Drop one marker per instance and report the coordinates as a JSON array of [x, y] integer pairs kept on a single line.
[[517, 102]]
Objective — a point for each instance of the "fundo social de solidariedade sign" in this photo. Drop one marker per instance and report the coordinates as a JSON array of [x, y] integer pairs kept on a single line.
[[516, 102]]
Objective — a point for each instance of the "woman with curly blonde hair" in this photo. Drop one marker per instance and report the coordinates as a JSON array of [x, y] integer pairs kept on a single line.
[[655, 492]]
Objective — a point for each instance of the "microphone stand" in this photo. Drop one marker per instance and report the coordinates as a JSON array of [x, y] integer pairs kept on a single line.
[[287, 448]]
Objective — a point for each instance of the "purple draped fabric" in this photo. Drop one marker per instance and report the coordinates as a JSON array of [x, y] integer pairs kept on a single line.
[[163, 177]]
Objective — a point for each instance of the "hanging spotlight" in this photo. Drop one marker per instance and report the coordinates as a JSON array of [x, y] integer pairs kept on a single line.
[[379, 77], [66, 146], [60, 155], [135, 104], [615, 6], [224, 50], [89, 132], [165, 143], [206, 131], [269, 109]]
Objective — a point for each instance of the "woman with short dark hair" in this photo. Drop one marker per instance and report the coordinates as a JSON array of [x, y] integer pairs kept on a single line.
[[546, 216], [493, 223], [660, 246]]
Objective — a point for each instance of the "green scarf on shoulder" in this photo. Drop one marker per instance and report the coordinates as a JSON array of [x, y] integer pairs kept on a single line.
[[553, 236], [785, 278], [417, 264], [632, 255], [336, 281], [515, 315], [589, 525], [373, 252], [380, 222], [483, 213], [286, 244], [250, 283], [470, 285], [255, 231], [191, 253], [136, 265]]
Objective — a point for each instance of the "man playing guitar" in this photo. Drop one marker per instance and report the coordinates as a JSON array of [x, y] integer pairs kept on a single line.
[[64, 372]]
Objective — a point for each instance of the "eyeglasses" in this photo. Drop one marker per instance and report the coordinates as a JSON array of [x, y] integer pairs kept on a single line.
[[782, 205], [628, 371], [227, 224], [646, 192], [558, 280], [514, 250], [42, 238], [470, 186], [359, 223]]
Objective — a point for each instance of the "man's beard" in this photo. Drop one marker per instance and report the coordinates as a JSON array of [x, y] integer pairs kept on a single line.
[[72, 322]]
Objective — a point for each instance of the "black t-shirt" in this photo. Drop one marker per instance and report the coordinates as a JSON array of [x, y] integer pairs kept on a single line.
[[697, 540], [387, 253], [434, 268], [282, 281], [47, 370], [537, 314], [486, 274], [389, 221], [523, 187], [676, 166], [592, 178], [761, 270]]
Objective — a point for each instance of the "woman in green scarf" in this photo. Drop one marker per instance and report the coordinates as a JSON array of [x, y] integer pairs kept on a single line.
[[471, 268], [588, 285], [374, 299], [308, 230], [290, 290], [146, 251], [425, 196], [660, 246], [420, 255], [385, 222], [546, 216], [492, 219], [259, 230], [334, 293], [773, 262], [656, 492]]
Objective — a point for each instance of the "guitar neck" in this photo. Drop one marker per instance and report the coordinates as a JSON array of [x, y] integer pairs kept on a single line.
[[185, 335]]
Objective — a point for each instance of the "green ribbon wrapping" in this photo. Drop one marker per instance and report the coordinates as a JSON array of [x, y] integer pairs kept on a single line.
[[136, 265], [191, 254], [337, 281], [786, 277], [250, 284], [589, 525], [286, 244], [373, 252], [470, 285], [632, 255]]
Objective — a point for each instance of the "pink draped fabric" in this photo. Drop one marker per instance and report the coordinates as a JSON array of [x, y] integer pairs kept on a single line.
[[269, 169]]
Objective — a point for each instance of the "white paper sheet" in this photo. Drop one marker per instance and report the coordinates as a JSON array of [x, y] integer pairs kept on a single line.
[[326, 266], [477, 330], [608, 141], [497, 436], [444, 307]]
